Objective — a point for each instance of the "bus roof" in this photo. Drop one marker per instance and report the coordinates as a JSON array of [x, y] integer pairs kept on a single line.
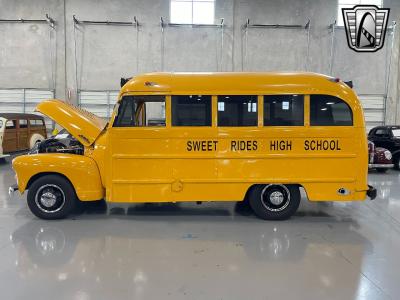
[[236, 83]]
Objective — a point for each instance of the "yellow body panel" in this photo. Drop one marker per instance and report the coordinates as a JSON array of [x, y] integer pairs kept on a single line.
[[153, 164], [80, 170]]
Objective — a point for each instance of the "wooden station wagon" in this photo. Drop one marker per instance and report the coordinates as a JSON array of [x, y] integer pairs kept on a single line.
[[20, 131]]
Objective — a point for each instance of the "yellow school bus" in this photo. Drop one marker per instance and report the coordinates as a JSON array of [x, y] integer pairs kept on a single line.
[[255, 137]]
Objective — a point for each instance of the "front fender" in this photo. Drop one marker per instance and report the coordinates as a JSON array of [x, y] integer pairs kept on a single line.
[[80, 170], [396, 153]]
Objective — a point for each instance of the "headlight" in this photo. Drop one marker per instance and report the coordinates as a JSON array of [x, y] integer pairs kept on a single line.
[[388, 155]]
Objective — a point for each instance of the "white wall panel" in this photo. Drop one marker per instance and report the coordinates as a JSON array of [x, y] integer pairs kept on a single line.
[[374, 110], [99, 103], [24, 101]]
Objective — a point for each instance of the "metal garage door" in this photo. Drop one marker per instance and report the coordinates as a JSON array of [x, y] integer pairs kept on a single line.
[[374, 109], [100, 103], [24, 101]]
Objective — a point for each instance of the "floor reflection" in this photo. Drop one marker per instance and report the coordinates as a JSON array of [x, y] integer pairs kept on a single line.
[[137, 251]]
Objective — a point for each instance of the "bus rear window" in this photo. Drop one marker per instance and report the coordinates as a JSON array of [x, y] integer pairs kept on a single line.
[[328, 110], [237, 110], [284, 110]]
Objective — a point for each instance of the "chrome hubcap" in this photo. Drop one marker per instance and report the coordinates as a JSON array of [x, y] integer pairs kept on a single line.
[[50, 198], [276, 198]]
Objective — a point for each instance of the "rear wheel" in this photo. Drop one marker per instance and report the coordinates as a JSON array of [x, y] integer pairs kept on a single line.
[[274, 201], [396, 162], [381, 170], [51, 197]]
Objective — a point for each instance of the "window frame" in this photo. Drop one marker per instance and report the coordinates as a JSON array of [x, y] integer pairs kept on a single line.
[[192, 14], [119, 106], [14, 121], [387, 132], [21, 121], [332, 125], [171, 113], [304, 118], [257, 112], [32, 122]]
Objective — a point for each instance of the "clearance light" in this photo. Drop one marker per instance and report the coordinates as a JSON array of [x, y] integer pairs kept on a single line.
[[333, 79], [150, 83]]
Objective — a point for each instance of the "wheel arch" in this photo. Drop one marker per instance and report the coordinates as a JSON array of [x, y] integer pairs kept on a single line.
[[41, 174], [80, 171]]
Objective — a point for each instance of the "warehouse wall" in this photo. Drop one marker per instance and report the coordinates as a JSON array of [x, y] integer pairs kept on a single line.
[[105, 53]]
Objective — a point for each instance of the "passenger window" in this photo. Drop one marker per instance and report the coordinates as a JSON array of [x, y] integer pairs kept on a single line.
[[35, 122], [194, 110], [328, 110], [237, 110], [23, 123], [11, 124], [382, 132], [141, 111], [284, 110]]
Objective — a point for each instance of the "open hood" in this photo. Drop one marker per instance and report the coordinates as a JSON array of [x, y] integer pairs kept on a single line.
[[83, 125]]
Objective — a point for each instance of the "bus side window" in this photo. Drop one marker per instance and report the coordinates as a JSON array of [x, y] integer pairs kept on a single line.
[[140, 111], [237, 110], [326, 110], [284, 110], [193, 110]]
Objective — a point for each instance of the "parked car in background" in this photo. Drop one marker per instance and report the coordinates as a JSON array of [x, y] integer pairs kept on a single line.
[[379, 159], [2, 155], [20, 131], [387, 137]]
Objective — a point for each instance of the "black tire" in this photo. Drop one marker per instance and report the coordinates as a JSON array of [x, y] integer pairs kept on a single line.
[[59, 190], [260, 201], [381, 170], [396, 162]]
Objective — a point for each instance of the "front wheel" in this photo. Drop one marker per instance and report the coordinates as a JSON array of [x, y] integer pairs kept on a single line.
[[51, 197], [274, 201]]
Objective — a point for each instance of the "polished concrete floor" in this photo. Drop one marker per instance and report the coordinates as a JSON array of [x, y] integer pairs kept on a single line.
[[213, 251]]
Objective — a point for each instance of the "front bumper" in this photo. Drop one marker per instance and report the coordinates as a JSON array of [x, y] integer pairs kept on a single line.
[[380, 166], [371, 192], [12, 189]]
